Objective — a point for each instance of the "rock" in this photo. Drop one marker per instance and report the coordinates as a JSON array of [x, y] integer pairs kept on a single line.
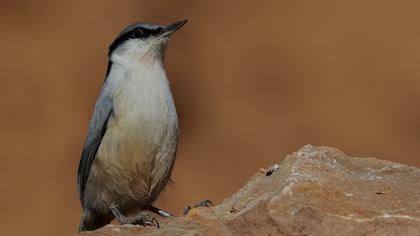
[[314, 191]]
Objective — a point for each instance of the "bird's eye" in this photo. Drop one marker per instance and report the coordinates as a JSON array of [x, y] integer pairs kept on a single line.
[[138, 33]]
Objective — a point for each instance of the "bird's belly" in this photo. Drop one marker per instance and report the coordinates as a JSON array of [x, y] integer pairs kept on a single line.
[[137, 151]]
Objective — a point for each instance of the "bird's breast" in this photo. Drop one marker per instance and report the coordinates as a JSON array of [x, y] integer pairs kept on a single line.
[[144, 115], [137, 151], [144, 99]]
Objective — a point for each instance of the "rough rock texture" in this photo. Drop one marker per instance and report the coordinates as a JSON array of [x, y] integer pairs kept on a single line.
[[314, 191]]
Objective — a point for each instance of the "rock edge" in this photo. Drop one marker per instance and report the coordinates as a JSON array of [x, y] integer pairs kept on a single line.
[[314, 191]]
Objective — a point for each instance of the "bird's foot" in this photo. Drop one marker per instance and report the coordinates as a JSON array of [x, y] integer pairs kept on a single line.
[[204, 203], [142, 218]]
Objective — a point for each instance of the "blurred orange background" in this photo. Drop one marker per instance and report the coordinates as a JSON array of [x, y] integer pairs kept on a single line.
[[253, 81]]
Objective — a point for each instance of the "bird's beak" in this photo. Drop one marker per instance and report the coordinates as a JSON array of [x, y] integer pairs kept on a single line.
[[168, 30]]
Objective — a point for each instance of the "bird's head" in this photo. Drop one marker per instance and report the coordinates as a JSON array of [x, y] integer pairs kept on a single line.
[[142, 41]]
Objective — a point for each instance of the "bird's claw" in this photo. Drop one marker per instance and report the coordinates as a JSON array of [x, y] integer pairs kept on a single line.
[[144, 219], [204, 203], [141, 218]]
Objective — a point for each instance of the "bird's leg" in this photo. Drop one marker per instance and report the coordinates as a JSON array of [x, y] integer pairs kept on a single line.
[[159, 211], [142, 218], [204, 203]]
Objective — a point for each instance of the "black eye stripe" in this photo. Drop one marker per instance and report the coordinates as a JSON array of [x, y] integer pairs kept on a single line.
[[135, 33], [144, 33], [138, 33]]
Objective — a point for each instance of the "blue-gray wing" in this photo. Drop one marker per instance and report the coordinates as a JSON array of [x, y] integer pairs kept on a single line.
[[97, 129]]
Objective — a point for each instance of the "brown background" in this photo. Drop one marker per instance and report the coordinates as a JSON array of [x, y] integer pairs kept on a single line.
[[253, 81]]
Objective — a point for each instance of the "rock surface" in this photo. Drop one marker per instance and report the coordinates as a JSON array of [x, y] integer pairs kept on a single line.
[[314, 191]]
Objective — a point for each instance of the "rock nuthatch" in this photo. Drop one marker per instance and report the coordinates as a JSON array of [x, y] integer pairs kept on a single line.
[[132, 140]]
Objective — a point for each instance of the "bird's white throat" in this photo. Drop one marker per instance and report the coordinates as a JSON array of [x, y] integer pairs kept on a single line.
[[142, 99]]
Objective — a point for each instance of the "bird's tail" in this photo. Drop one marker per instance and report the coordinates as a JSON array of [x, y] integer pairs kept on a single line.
[[83, 226], [93, 220]]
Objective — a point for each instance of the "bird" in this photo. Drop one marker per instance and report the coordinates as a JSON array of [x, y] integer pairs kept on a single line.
[[131, 144]]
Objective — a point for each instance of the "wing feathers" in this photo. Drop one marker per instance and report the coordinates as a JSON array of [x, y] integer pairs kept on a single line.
[[97, 129]]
